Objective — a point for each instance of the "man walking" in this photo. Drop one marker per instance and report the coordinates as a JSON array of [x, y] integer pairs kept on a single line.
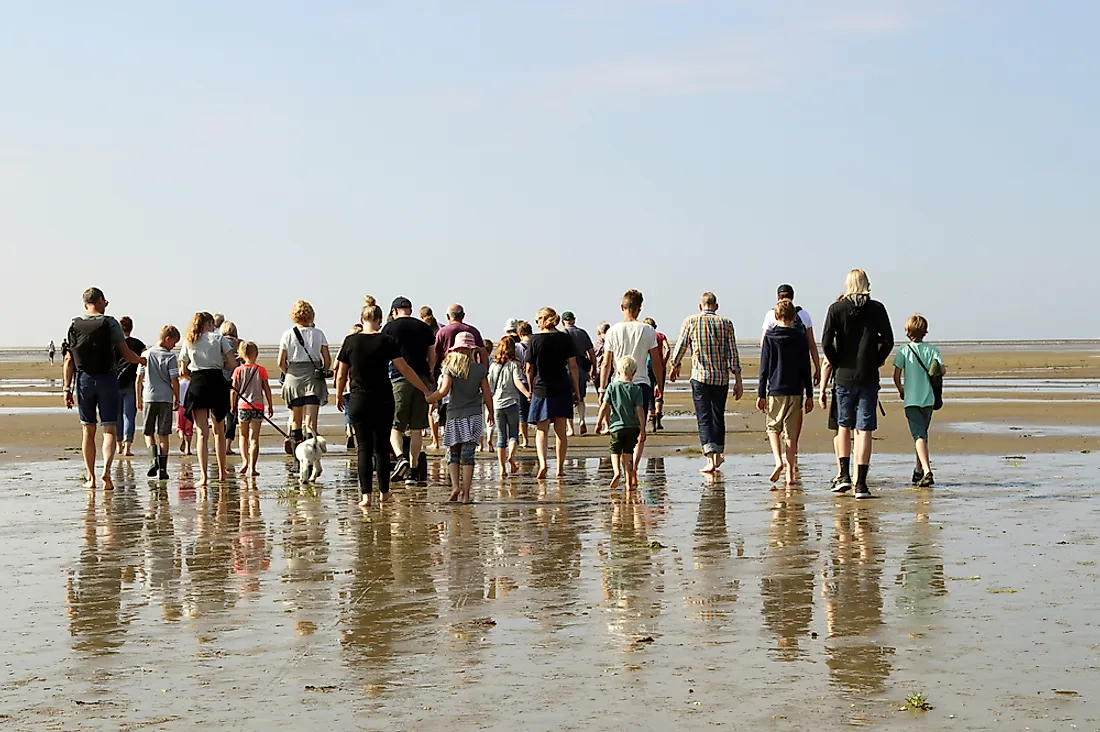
[[417, 344], [786, 292], [714, 358], [582, 347], [634, 338], [96, 342], [857, 340], [445, 338]]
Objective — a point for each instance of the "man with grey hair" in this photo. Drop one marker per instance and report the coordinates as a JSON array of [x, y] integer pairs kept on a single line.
[[445, 338]]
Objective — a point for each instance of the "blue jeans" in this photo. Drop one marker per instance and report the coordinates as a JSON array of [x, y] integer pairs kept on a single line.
[[857, 406], [507, 425], [127, 418], [97, 393], [710, 413]]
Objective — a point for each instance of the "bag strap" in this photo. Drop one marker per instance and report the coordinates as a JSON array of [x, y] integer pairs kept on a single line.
[[919, 360], [252, 371], [302, 343]]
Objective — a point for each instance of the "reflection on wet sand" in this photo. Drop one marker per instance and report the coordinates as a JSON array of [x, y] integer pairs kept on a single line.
[[787, 585]]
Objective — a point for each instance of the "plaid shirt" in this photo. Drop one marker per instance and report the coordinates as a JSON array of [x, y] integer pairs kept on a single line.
[[713, 348]]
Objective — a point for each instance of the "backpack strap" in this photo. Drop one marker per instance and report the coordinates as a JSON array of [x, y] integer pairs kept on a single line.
[[302, 343], [919, 359]]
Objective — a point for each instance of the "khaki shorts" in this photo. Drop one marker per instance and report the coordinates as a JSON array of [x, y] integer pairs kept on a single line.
[[410, 407], [785, 415]]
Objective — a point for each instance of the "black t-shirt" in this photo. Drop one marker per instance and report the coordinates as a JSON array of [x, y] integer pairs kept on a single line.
[[549, 353], [369, 355], [127, 372], [414, 337]]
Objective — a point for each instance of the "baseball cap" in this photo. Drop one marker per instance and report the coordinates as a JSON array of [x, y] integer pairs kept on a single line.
[[401, 303], [568, 316], [511, 324], [785, 290]]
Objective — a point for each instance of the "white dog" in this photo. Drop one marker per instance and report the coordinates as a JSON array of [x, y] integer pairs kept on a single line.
[[309, 458]]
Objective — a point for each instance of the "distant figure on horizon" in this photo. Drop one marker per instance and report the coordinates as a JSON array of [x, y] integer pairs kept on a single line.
[[857, 340], [786, 292], [714, 358], [95, 342], [51, 351]]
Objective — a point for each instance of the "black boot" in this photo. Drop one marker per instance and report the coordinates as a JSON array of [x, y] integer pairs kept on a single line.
[[163, 467], [152, 472]]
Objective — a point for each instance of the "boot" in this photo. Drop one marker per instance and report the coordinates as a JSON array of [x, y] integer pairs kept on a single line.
[[163, 460], [152, 472]]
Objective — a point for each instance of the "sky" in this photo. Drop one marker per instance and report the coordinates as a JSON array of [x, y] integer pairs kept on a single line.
[[507, 155]]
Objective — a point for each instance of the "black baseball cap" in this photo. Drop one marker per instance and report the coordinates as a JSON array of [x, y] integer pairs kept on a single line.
[[787, 290], [401, 303]]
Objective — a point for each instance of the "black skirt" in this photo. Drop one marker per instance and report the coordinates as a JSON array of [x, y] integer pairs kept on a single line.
[[208, 390]]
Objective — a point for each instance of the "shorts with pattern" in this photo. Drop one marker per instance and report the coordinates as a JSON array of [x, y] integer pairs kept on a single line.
[[245, 414]]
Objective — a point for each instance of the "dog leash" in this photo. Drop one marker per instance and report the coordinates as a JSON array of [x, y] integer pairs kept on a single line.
[[263, 412]]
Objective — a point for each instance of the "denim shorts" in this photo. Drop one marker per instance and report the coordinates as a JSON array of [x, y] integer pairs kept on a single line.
[[98, 393], [857, 406], [920, 419]]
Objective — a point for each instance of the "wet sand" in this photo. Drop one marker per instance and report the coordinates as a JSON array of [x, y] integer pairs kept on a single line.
[[686, 605]]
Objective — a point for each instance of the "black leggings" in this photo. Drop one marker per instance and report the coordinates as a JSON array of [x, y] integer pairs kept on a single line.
[[372, 424]]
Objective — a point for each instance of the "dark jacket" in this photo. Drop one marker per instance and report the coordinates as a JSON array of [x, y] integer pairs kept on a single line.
[[857, 339], [785, 364]]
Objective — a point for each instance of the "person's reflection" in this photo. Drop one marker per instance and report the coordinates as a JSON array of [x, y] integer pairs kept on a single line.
[[163, 555], [556, 550], [251, 551], [853, 601], [209, 559], [787, 584], [94, 587], [306, 550], [631, 575], [711, 555], [921, 577]]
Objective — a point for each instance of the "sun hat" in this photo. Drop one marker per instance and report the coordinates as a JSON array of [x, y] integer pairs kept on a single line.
[[463, 340], [511, 324]]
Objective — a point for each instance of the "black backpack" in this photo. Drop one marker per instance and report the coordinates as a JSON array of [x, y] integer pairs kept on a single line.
[[90, 344]]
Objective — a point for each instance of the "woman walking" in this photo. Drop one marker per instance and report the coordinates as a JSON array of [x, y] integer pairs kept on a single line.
[[304, 361], [555, 386], [204, 355], [508, 389], [467, 383], [363, 362]]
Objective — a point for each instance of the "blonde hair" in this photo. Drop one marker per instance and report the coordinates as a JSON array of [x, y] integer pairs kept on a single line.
[[370, 313], [506, 351], [198, 324], [457, 364], [229, 328], [169, 332], [356, 329], [916, 328], [784, 311], [628, 366], [550, 316], [302, 314], [857, 283], [247, 350]]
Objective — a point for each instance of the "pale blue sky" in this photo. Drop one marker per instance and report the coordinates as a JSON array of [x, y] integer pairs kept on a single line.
[[236, 156]]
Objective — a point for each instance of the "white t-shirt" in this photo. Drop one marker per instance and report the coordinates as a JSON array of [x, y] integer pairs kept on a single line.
[[635, 339], [770, 322], [314, 339]]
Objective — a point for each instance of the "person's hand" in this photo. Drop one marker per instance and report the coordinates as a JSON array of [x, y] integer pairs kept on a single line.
[[824, 400], [641, 435], [817, 377], [175, 404], [69, 401], [658, 392], [809, 405], [489, 421], [339, 403], [576, 399], [143, 361], [270, 411], [762, 404], [675, 373], [738, 391], [140, 404], [901, 394]]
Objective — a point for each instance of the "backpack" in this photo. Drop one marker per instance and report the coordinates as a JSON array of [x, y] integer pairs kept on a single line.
[[90, 345], [935, 377]]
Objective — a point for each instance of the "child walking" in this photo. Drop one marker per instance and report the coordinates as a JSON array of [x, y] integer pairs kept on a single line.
[[158, 396], [184, 426], [623, 411], [785, 388], [253, 390], [467, 383], [508, 389], [918, 361]]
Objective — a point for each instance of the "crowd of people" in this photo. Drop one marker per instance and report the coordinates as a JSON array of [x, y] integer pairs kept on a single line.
[[400, 377]]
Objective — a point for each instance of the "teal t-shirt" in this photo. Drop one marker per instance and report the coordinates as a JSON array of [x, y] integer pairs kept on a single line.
[[918, 387], [624, 398]]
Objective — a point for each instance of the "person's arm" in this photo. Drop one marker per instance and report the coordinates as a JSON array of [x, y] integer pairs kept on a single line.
[[828, 338], [735, 364], [639, 411], [886, 337], [175, 392], [808, 384], [282, 360], [411, 376], [230, 359], [658, 371], [69, 379], [431, 359], [530, 369], [519, 384], [603, 414], [608, 368], [341, 382], [898, 384], [138, 382], [826, 374], [326, 357], [762, 378], [574, 375], [814, 357], [487, 399], [443, 390], [185, 363], [682, 344], [128, 355]]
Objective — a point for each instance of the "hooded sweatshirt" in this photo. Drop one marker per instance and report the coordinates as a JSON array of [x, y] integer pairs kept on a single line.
[[857, 339], [785, 363]]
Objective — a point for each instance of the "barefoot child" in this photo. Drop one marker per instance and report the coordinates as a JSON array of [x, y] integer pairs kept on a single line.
[[158, 395], [623, 411], [508, 390], [253, 390], [184, 427], [918, 361], [785, 387], [467, 383]]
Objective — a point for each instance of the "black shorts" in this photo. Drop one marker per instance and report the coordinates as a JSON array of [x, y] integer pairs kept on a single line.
[[306, 401], [624, 440]]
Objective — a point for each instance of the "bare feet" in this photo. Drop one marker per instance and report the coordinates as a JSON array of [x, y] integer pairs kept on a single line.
[[543, 470], [584, 428], [203, 483], [108, 484], [514, 466], [560, 473], [454, 497], [632, 482], [775, 473], [718, 460], [244, 470], [615, 481], [254, 473], [364, 502], [383, 497], [711, 466], [89, 484]]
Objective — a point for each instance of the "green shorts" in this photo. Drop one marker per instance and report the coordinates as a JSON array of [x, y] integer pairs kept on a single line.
[[410, 407], [623, 441]]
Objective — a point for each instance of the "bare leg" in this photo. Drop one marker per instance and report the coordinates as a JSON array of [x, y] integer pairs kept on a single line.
[[88, 450], [836, 452], [397, 442], [863, 447], [244, 436], [512, 456], [562, 446], [416, 444], [219, 449], [777, 455], [844, 446], [638, 450], [109, 447], [297, 418], [456, 477], [311, 413], [631, 473], [581, 412], [542, 436], [923, 456], [616, 466], [202, 425], [502, 453], [792, 461], [467, 482]]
